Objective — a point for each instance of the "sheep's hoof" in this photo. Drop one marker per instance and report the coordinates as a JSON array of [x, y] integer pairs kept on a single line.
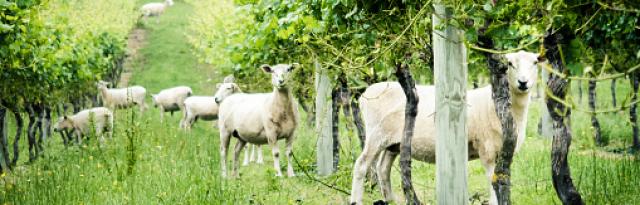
[[291, 175]]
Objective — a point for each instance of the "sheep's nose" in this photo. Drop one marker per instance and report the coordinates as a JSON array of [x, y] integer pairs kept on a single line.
[[281, 82], [522, 85], [217, 100]]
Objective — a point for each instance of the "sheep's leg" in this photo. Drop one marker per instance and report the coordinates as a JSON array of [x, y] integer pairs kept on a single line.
[[289, 153], [161, 114], [237, 150], [489, 167], [360, 168], [260, 158], [78, 137], [246, 157], [183, 119], [224, 145], [253, 153], [275, 151], [143, 106], [384, 173]]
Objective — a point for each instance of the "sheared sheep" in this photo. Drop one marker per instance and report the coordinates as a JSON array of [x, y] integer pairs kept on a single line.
[[383, 106], [205, 107], [122, 97], [260, 118], [155, 9], [171, 100], [100, 118]]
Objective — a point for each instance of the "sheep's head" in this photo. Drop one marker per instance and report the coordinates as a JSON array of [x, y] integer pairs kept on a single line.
[[64, 123], [523, 70], [102, 84], [225, 90], [169, 2], [154, 100], [279, 74]]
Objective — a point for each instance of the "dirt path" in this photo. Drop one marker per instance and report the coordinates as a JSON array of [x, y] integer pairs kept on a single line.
[[136, 40]]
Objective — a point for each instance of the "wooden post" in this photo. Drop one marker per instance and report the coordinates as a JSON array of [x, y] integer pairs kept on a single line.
[[450, 65], [324, 145], [546, 129]]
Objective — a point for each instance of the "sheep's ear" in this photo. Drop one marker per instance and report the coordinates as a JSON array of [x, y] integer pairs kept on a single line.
[[218, 85], [266, 68], [292, 66]]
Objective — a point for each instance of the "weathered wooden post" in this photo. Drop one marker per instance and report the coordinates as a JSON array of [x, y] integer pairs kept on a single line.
[[546, 127], [450, 65], [324, 145]]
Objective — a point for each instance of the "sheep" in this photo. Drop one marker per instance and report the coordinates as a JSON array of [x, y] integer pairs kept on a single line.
[[260, 118], [100, 118], [155, 9], [251, 158], [383, 107], [206, 107], [122, 97], [171, 99]]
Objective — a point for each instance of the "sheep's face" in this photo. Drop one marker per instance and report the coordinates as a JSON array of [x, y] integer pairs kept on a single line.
[[102, 84], [169, 2], [279, 74], [523, 70], [154, 101], [225, 90], [64, 123]]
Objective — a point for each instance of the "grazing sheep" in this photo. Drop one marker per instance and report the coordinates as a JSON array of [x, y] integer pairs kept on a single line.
[[198, 108], [122, 97], [252, 158], [206, 107], [100, 118], [171, 100], [383, 106], [155, 9], [260, 119]]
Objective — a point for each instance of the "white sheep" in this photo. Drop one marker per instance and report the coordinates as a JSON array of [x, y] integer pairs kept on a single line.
[[155, 9], [206, 107], [171, 99], [100, 118], [383, 106], [260, 118], [122, 97]]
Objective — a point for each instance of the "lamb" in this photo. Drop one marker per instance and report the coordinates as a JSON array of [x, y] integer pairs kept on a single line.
[[206, 107], [155, 9], [100, 118], [260, 118], [122, 97], [171, 99], [383, 107]]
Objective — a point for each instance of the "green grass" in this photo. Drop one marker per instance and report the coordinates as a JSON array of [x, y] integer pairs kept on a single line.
[[149, 162]]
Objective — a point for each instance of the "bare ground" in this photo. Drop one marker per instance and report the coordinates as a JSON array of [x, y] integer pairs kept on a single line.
[[135, 41]]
